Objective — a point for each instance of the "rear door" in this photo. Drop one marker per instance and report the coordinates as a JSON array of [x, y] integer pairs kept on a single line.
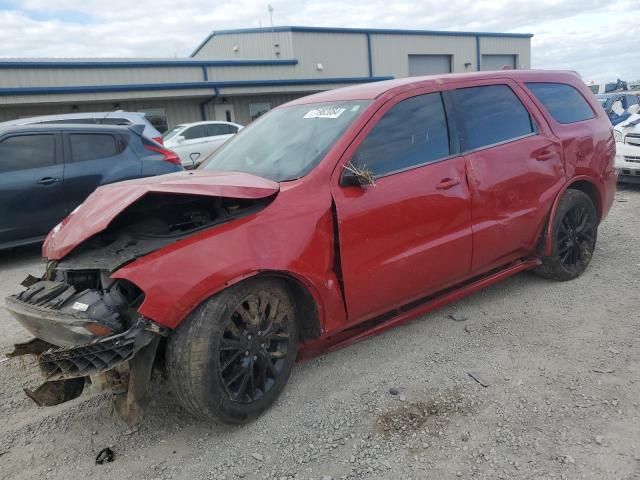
[[95, 158], [515, 170], [410, 234], [31, 173]]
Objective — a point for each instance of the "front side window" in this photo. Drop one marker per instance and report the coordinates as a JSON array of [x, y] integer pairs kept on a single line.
[[490, 115], [288, 142], [411, 133], [563, 102], [22, 152], [90, 146]]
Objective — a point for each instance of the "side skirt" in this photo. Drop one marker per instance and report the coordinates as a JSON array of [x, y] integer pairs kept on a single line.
[[407, 312]]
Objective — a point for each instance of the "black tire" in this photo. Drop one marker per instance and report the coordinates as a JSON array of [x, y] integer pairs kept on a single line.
[[575, 231], [232, 356]]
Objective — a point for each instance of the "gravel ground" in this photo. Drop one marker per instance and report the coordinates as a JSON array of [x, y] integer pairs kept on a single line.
[[560, 361]]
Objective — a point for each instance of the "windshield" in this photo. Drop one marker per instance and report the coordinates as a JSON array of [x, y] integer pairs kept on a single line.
[[173, 132], [286, 143]]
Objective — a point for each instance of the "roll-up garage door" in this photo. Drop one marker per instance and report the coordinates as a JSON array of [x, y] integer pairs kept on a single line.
[[429, 64], [496, 62]]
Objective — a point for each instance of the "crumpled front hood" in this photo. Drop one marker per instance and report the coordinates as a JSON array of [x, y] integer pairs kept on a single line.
[[107, 202]]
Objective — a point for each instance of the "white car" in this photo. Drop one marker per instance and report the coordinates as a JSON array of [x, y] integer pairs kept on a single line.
[[193, 142], [627, 136]]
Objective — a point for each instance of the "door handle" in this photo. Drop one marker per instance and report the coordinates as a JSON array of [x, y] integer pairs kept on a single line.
[[48, 181], [447, 183], [544, 155]]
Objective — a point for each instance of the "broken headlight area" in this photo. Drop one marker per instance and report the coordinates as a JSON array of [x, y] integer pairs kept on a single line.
[[75, 307]]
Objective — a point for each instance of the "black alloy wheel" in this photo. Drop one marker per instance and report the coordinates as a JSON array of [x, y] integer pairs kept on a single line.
[[254, 346]]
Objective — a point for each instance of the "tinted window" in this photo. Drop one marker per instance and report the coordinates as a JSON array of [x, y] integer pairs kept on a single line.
[[490, 115], [632, 100], [89, 146], [192, 133], [413, 132], [220, 129], [563, 102], [27, 151]]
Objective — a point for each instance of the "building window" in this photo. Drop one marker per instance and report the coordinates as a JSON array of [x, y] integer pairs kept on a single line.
[[157, 117], [258, 109]]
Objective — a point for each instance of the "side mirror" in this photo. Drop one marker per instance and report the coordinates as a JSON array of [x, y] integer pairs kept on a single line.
[[180, 139], [354, 176]]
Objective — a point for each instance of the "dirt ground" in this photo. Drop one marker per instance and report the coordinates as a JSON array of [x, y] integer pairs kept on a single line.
[[561, 361]]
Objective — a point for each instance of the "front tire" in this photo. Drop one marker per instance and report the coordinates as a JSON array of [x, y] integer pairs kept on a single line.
[[574, 234], [232, 357]]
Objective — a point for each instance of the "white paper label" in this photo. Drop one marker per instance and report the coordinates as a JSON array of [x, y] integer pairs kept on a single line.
[[81, 307], [325, 112]]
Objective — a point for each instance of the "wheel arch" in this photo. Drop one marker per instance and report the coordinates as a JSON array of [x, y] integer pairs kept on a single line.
[[308, 302], [584, 184]]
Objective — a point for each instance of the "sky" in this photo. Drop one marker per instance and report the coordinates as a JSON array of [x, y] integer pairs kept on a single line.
[[597, 38]]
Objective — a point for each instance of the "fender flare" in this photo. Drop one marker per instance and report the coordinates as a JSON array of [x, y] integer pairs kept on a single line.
[[548, 231]]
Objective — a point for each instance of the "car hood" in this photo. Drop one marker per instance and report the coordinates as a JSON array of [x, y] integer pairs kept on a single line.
[[102, 206], [630, 124]]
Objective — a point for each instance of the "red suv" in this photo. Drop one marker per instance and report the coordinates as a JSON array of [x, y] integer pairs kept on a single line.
[[329, 219]]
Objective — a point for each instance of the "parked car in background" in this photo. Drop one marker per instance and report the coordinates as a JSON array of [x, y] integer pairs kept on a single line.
[[46, 171], [616, 105], [627, 136], [118, 117], [334, 217], [193, 142]]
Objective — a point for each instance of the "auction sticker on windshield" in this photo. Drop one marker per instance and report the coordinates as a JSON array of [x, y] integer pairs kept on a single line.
[[325, 112]]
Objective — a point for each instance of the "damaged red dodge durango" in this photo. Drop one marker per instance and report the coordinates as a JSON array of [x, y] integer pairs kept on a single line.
[[329, 219]]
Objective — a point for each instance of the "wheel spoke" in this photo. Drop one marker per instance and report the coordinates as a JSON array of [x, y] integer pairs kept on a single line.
[[230, 361], [231, 344], [235, 376]]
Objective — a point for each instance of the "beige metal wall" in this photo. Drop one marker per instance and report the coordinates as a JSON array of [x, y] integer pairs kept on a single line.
[[62, 77], [391, 52], [178, 111], [249, 45], [341, 55], [521, 47]]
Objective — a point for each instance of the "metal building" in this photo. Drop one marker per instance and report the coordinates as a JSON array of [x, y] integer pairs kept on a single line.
[[238, 75]]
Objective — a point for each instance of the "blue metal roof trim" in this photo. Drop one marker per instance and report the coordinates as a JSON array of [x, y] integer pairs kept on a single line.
[[381, 31], [141, 63], [184, 86]]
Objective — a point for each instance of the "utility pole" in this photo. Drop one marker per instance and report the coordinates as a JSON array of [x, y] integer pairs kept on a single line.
[[270, 10]]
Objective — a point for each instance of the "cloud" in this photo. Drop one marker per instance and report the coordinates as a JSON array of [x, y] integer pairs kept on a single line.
[[584, 35]]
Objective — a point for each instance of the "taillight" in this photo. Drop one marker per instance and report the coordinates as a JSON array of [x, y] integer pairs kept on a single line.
[[159, 140], [168, 155]]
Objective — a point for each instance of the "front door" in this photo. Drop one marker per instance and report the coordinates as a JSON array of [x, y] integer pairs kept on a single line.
[[410, 234], [515, 170], [31, 172]]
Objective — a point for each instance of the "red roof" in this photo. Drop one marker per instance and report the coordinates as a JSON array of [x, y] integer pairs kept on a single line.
[[369, 91]]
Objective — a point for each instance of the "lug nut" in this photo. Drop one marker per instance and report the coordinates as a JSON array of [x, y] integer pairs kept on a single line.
[[246, 354]]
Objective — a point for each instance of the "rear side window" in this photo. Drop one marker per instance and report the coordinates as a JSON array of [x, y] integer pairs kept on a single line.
[[563, 102], [491, 115], [22, 152], [198, 131], [412, 133], [90, 146], [220, 129]]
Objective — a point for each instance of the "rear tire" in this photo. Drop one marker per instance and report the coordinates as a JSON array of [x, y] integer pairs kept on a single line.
[[232, 356], [574, 235]]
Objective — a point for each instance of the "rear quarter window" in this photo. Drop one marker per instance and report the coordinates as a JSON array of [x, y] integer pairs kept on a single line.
[[491, 115], [91, 146], [563, 102]]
